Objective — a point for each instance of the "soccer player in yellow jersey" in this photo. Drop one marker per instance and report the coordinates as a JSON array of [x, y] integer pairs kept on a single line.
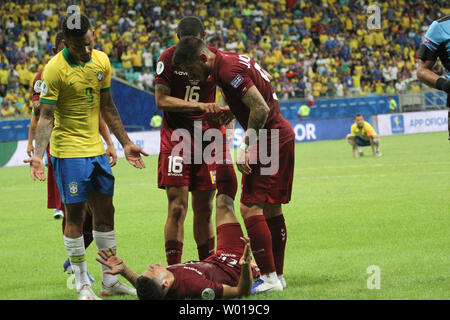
[[362, 135], [75, 89]]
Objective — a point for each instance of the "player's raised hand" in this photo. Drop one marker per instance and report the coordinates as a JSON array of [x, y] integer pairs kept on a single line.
[[133, 154], [37, 168], [246, 256], [112, 261]]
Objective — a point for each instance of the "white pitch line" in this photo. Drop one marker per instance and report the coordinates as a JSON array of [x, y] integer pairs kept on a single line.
[[380, 165], [370, 175]]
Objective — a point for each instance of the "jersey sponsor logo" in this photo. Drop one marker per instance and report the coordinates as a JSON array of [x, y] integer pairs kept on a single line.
[[237, 81], [193, 269], [159, 67], [180, 73]]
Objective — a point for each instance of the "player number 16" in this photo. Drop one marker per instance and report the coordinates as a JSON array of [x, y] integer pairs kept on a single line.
[[192, 93]]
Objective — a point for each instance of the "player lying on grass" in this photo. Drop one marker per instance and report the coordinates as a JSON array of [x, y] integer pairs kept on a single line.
[[226, 274], [363, 135]]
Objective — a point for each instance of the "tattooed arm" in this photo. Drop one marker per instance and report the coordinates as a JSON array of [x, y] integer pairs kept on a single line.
[[259, 111], [43, 133], [112, 118], [165, 102]]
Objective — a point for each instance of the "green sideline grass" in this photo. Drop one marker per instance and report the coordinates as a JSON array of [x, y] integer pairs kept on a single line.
[[345, 215]]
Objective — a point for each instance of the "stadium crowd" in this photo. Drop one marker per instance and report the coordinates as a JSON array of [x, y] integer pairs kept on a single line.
[[312, 49]]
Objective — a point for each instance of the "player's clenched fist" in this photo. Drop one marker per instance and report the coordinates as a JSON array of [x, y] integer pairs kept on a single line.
[[210, 107]]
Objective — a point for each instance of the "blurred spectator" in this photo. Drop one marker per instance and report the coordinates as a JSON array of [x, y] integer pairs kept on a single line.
[[156, 121], [303, 111], [8, 111], [146, 80], [392, 104]]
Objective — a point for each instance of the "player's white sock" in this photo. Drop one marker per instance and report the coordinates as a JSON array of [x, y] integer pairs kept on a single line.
[[77, 255], [106, 240], [270, 277]]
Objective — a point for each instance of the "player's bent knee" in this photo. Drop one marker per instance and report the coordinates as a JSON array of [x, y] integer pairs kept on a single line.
[[249, 210]]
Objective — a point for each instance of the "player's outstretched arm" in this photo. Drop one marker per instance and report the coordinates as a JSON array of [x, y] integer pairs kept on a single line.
[[112, 118], [244, 287], [43, 133], [165, 102], [117, 266]]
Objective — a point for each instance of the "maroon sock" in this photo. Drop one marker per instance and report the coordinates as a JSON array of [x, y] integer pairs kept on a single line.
[[206, 249], [174, 249], [261, 242], [277, 229]]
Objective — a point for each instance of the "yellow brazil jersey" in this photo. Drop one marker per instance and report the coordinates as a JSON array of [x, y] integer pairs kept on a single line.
[[365, 132], [75, 90]]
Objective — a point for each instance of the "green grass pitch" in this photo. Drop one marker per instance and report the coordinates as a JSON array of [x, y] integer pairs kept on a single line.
[[345, 215]]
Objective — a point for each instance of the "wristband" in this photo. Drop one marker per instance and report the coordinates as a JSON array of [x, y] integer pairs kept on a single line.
[[443, 84]]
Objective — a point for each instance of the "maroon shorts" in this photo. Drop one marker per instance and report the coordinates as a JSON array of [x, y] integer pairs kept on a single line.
[[172, 171], [275, 188], [54, 200]]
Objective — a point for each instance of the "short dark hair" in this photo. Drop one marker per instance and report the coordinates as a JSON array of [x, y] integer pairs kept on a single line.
[[70, 31], [190, 26], [59, 37], [149, 289], [187, 50], [357, 115]]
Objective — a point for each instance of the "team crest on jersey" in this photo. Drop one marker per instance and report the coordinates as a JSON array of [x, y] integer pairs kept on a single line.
[[100, 76], [73, 188], [237, 81], [160, 67]]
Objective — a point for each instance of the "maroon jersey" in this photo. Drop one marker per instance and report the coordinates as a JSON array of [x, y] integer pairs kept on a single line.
[[204, 279], [235, 74], [183, 88]]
